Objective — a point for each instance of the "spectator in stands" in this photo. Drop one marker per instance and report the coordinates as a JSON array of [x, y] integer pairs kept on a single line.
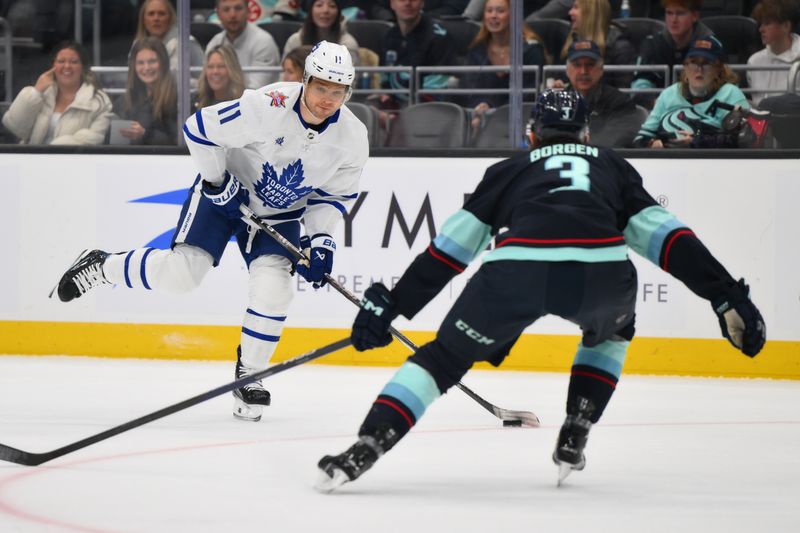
[[613, 117], [254, 46], [669, 46], [531, 9], [491, 47], [591, 20], [776, 19], [222, 78], [157, 18], [65, 106], [686, 113], [439, 8], [376, 10], [294, 64], [323, 23], [415, 40], [150, 98]]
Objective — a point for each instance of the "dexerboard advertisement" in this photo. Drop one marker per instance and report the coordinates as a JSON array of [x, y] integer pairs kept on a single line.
[[58, 205]]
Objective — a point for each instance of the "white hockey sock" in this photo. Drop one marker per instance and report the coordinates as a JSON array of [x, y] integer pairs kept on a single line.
[[269, 299]]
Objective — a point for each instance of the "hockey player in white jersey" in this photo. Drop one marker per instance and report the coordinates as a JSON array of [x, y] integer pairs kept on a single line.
[[291, 152]]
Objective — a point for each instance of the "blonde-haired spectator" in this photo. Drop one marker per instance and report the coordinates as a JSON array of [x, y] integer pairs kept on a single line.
[[222, 78], [157, 18], [65, 106]]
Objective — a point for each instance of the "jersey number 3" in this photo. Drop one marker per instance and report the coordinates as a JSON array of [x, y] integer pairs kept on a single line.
[[575, 169]]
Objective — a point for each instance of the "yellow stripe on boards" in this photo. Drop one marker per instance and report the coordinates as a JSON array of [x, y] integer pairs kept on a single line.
[[549, 353]]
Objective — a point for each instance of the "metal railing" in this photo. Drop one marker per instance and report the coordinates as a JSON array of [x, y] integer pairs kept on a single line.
[[7, 65], [737, 68], [662, 69], [95, 6]]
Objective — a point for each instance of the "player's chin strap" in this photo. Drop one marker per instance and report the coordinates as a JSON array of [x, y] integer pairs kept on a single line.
[[524, 418]]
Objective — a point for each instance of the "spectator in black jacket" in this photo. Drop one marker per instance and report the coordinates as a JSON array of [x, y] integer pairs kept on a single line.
[[613, 119], [669, 46], [415, 40]]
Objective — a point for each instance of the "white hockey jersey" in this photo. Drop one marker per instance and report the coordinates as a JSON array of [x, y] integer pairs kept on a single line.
[[292, 171]]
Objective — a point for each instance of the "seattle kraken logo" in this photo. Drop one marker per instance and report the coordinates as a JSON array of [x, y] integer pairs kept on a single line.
[[280, 192]]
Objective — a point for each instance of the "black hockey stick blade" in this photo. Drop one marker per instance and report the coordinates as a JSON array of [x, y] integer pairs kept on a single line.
[[526, 418], [13, 455]]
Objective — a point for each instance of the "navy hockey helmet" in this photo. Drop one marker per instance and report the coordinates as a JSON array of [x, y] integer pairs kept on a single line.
[[562, 110]]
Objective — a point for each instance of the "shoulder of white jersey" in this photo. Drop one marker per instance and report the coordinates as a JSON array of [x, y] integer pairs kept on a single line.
[[353, 126]]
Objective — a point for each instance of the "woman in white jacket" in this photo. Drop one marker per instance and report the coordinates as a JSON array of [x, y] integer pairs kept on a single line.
[[64, 107]]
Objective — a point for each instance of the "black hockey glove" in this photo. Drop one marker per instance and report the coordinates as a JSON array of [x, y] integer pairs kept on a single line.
[[371, 327], [228, 196], [319, 258], [740, 320]]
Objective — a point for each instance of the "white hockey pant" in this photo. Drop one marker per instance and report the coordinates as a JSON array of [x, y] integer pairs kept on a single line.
[[177, 271]]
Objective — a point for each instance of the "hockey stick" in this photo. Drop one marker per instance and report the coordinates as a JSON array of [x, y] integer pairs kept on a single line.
[[13, 455], [509, 416]]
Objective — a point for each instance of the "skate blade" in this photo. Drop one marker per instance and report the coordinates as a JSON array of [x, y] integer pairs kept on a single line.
[[80, 256], [248, 412], [327, 483], [564, 470]]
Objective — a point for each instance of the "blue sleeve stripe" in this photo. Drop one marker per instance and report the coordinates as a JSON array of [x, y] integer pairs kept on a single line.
[[453, 249], [658, 237], [127, 265], [345, 196], [230, 117], [463, 236], [198, 116], [337, 205], [226, 109], [192, 137], [261, 336], [278, 318], [142, 269]]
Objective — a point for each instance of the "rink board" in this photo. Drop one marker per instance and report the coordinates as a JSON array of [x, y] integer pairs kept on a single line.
[[744, 210]]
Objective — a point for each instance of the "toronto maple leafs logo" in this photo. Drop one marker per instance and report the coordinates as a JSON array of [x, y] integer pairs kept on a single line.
[[278, 99], [281, 191]]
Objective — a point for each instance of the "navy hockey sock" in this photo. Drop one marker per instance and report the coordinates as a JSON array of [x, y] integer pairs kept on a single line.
[[595, 373]]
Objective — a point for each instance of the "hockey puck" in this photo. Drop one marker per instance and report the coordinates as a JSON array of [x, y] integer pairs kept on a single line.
[[512, 423]]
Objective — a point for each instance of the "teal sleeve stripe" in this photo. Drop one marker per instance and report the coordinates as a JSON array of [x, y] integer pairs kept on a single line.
[[608, 356], [566, 253], [414, 386], [463, 236], [647, 229]]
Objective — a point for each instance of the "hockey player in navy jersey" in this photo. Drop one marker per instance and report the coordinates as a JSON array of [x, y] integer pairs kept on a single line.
[[289, 151], [562, 217]]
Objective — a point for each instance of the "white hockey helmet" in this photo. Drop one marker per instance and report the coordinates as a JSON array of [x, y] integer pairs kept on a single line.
[[330, 62]]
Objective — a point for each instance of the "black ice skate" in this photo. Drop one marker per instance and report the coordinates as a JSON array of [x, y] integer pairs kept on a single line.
[[84, 274], [336, 470], [249, 401], [572, 438]]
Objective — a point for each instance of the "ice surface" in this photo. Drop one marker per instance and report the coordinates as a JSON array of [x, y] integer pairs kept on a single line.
[[671, 454]]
